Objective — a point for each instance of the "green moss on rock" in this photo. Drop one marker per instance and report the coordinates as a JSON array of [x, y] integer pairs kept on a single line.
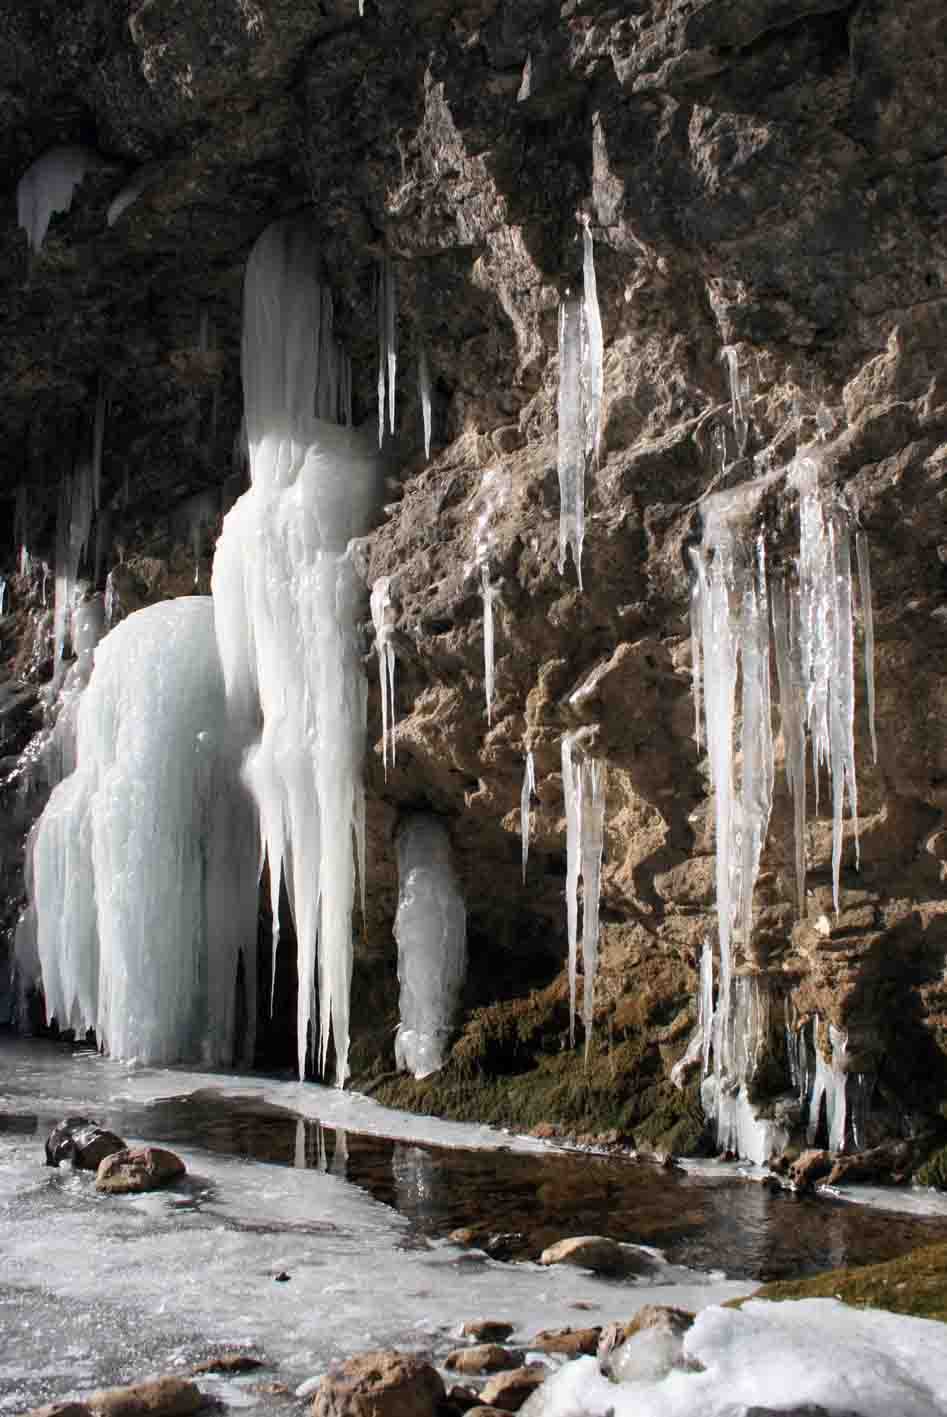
[[915, 1284], [934, 1170]]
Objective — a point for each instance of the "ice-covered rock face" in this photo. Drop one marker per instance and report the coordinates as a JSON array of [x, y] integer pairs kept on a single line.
[[287, 602], [144, 887], [431, 930]]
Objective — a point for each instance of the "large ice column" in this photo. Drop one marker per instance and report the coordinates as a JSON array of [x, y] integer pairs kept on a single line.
[[143, 861], [583, 786], [431, 930], [47, 186], [287, 605]]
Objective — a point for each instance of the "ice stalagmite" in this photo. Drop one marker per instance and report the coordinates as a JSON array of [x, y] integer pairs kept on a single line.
[[287, 607], [431, 930], [142, 863], [583, 785], [526, 796], [383, 619], [47, 186], [424, 387]]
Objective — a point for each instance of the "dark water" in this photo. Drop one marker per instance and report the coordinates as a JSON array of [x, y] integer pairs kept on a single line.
[[706, 1221]]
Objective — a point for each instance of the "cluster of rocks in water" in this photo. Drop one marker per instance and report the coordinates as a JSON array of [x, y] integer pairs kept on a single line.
[[119, 1169]]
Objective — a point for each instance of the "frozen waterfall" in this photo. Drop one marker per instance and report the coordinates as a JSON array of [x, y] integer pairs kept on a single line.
[[431, 930], [143, 861], [287, 604]]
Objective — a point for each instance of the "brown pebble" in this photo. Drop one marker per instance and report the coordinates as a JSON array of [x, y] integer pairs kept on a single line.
[[510, 1390], [228, 1363], [573, 1342], [483, 1358]]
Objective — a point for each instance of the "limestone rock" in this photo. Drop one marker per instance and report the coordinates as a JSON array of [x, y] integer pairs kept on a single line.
[[573, 1342], [82, 1142], [483, 1358], [488, 1330], [809, 1168], [510, 1390], [138, 1168], [385, 1383], [598, 1253], [163, 1397]]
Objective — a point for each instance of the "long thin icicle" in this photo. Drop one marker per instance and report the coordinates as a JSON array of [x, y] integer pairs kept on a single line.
[[571, 453], [592, 840], [573, 807], [383, 621], [424, 387], [488, 658], [864, 583], [738, 392], [526, 796], [386, 309], [593, 353]]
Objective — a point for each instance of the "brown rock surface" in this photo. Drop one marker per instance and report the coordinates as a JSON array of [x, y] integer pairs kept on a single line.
[[488, 1330], [510, 1390], [596, 1252], [164, 1397], [380, 1384], [573, 1342], [138, 1168], [483, 1358]]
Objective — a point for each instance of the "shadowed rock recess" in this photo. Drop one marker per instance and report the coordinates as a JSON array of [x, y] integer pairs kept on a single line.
[[764, 174]]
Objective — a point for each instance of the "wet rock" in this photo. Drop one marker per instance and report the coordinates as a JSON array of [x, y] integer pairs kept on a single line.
[[598, 1253], [82, 1142], [466, 1235], [510, 1390], [61, 1409], [138, 1168], [487, 1330], [809, 1168], [385, 1383], [463, 1398], [573, 1342], [483, 1358], [163, 1397]]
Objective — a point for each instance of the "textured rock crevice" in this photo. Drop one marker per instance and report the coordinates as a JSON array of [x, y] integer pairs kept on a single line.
[[767, 174]]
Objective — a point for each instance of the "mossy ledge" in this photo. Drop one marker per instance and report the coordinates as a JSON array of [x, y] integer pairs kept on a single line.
[[513, 1067], [914, 1284]]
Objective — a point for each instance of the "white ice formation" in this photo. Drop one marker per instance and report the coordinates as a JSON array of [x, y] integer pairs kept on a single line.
[[431, 930], [526, 797], [287, 607], [143, 861], [424, 387], [383, 619], [486, 590], [737, 597], [583, 786], [579, 405], [21, 531], [48, 185], [739, 393], [386, 306], [73, 525]]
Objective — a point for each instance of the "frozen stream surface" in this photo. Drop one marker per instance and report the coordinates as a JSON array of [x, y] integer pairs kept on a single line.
[[96, 1290]]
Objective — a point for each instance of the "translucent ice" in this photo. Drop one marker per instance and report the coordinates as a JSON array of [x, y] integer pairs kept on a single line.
[[47, 186], [592, 349], [383, 619], [386, 312], [424, 385], [486, 591], [143, 875], [583, 785], [828, 1086], [431, 930], [287, 610], [526, 795], [739, 391], [571, 452]]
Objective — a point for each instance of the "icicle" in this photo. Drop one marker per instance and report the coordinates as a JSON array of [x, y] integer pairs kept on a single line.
[[792, 705], [3, 595], [111, 600], [592, 349], [526, 794], [487, 593], [431, 930], [864, 583], [139, 182], [287, 611], [571, 454], [47, 186], [383, 617], [829, 1083], [705, 1005], [696, 608], [386, 305], [756, 737], [592, 833], [738, 392], [573, 808], [424, 386], [21, 531]]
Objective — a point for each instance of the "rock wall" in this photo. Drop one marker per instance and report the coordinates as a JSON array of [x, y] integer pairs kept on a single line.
[[764, 173]]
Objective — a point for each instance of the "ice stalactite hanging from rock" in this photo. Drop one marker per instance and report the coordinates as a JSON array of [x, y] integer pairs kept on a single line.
[[424, 388], [488, 503], [741, 1029], [73, 525], [828, 1088], [581, 357], [386, 308], [739, 392], [526, 797], [431, 930], [486, 590], [807, 599], [48, 186], [143, 861], [287, 608], [383, 619], [583, 786]]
